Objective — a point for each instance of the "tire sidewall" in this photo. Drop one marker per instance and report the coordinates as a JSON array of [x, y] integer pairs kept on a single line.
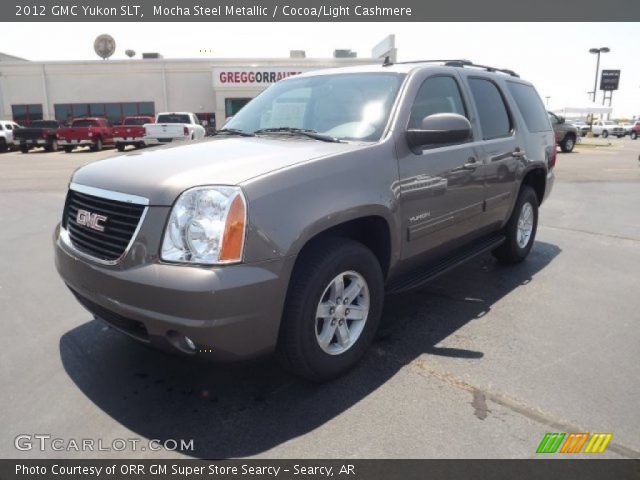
[[565, 144], [363, 262], [527, 195]]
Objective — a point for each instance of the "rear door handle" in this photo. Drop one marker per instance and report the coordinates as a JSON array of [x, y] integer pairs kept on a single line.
[[472, 163]]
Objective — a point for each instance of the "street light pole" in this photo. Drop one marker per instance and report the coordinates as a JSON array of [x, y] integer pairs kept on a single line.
[[597, 51]]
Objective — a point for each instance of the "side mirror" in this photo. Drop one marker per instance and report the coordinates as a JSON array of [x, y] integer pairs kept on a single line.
[[440, 129], [561, 120]]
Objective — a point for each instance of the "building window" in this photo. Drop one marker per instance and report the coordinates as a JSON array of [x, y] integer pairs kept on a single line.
[[115, 112], [233, 105], [25, 114]]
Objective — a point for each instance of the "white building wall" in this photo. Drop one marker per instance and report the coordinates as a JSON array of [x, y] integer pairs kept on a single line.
[[172, 84]]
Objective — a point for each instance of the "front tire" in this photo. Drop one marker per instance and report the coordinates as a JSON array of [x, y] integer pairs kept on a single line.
[[634, 135], [24, 149], [568, 143], [333, 309], [520, 231], [120, 147], [605, 134], [68, 149]]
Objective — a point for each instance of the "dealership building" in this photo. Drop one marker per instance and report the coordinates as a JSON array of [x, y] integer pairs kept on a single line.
[[213, 89]]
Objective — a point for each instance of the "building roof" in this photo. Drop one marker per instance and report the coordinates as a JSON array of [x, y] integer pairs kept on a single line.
[[5, 57]]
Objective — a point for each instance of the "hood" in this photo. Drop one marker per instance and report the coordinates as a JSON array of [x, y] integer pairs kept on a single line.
[[162, 174]]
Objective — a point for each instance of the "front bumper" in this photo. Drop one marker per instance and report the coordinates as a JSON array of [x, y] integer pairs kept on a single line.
[[230, 313]]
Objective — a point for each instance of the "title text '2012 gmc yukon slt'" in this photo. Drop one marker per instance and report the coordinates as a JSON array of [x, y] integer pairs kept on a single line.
[[284, 232]]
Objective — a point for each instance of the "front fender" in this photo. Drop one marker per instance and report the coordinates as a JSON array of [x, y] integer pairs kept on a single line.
[[289, 207]]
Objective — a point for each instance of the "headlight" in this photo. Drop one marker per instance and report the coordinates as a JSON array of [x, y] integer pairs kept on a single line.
[[206, 226]]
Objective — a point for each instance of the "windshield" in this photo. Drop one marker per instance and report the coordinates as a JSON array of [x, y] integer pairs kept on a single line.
[[173, 118], [136, 121], [351, 106]]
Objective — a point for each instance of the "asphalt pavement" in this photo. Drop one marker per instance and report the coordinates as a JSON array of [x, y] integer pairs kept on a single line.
[[480, 364]]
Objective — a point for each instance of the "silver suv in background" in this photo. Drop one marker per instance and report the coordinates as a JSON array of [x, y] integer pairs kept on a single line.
[[327, 191]]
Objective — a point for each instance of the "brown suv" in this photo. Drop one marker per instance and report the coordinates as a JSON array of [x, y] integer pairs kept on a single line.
[[284, 232]]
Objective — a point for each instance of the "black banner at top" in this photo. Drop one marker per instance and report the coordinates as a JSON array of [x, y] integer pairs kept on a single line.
[[319, 11]]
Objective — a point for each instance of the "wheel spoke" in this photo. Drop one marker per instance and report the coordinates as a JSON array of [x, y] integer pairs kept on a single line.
[[327, 333], [337, 289], [356, 312], [324, 310], [353, 290], [343, 336]]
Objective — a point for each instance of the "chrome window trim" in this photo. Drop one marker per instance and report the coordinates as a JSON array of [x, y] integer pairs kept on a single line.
[[110, 195]]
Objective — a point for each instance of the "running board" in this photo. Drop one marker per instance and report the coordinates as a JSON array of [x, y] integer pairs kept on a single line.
[[420, 277]]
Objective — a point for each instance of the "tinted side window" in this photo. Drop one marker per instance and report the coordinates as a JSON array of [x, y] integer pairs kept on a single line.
[[436, 95], [492, 112], [531, 107]]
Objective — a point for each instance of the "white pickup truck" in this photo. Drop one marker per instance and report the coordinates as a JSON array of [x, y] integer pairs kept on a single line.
[[606, 128], [173, 126]]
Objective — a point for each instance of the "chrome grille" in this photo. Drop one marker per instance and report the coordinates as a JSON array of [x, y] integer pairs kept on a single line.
[[109, 240]]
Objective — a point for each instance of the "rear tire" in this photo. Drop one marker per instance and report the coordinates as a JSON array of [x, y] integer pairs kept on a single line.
[[634, 135], [3, 145], [567, 143], [120, 147], [520, 230], [605, 134], [319, 348], [24, 149], [68, 149], [96, 147]]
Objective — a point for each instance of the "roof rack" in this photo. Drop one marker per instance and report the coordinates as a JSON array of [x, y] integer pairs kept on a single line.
[[455, 63]]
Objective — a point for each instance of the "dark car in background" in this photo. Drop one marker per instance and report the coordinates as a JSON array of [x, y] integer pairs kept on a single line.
[[566, 133], [41, 133]]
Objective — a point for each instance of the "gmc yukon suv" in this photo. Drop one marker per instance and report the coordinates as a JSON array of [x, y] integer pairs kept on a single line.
[[327, 191]]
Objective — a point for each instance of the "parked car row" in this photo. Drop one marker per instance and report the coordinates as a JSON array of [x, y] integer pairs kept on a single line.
[[97, 132]]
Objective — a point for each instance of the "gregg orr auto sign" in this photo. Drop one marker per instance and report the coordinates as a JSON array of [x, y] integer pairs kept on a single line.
[[251, 77]]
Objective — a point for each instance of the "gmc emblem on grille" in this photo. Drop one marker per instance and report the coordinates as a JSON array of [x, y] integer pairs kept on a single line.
[[91, 220]]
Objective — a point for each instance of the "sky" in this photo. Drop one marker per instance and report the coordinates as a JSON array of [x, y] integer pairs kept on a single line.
[[554, 56]]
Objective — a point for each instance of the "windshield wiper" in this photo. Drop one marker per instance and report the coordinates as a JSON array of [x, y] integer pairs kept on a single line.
[[235, 131], [300, 131]]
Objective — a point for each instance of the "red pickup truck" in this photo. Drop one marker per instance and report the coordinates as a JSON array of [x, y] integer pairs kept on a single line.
[[131, 132], [94, 132]]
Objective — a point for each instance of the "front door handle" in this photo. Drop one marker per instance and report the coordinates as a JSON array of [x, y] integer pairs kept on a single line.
[[472, 164], [517, 153]]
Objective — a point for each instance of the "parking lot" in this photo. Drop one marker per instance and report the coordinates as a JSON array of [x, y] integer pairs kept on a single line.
[[481, 363]]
